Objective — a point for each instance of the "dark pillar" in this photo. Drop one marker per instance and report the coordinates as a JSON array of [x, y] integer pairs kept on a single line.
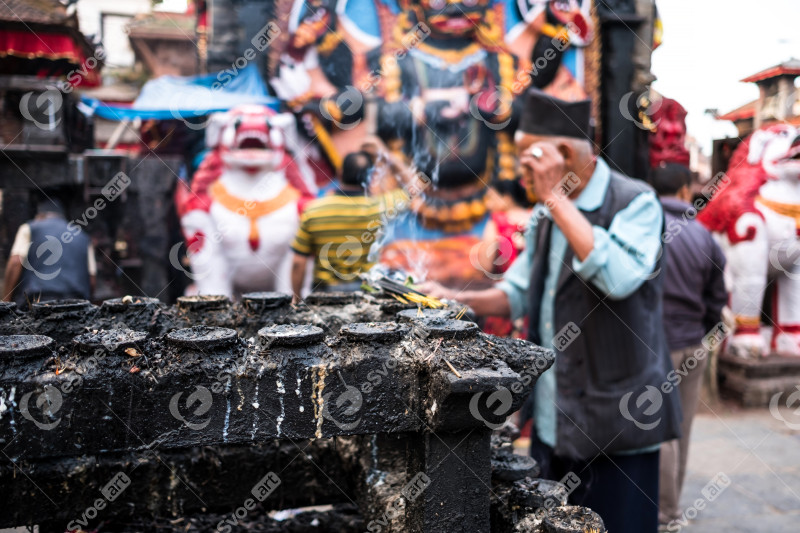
[[624, 139], [153, 182], [17, 209], [449, 482]]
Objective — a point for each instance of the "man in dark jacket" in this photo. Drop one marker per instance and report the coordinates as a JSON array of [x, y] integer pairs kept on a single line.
[[590, 281], [50, 259], [694, 295]]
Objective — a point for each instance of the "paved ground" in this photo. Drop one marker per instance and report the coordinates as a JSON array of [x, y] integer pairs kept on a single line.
[[757, 456]]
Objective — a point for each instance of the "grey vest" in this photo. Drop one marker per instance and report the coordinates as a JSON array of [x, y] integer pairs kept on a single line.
[[620, 353], [56, 269]]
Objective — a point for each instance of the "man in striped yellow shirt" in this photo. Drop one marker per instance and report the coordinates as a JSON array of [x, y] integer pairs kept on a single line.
[[339, 230]]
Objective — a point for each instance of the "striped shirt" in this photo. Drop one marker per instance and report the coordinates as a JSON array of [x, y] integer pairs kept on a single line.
[[339, 230]]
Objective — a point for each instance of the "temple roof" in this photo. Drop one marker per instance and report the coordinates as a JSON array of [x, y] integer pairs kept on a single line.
[[787, 68], [41, 38], [163, 25], [36, 12], [746, 111]]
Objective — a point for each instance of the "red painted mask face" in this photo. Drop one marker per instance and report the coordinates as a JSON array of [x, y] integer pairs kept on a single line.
[[568, 13], [457, 18], [250, 142], [561, 14]]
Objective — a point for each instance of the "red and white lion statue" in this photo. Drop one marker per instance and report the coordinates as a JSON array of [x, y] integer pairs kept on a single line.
[[241, 211], [756, 219]]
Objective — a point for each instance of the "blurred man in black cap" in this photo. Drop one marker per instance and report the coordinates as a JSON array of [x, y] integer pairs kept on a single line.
[[590, 282], [50, 259]]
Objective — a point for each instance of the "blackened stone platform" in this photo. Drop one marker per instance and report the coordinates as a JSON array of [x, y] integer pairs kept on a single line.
[[210, 373]]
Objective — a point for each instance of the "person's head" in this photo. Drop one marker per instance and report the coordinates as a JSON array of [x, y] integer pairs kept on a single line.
[[672, 179], [565, 125], [355, 169], [49, 207]]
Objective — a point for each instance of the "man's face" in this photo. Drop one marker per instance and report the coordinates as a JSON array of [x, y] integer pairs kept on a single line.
[[574, 160], [577, 158], [523, 142]]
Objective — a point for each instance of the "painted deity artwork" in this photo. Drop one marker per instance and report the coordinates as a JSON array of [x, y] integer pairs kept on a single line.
[[440, 82]]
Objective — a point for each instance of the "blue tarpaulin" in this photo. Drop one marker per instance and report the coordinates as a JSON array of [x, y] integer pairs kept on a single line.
[[187, 97]]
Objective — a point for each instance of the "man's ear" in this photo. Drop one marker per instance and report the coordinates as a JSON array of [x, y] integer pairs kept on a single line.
[[567, 152]]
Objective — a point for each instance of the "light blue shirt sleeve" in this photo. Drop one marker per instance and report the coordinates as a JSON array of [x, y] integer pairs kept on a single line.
[[518, 276], [625, 255]]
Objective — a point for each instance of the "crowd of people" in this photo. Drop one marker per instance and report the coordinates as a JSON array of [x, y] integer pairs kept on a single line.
[[582, 267]]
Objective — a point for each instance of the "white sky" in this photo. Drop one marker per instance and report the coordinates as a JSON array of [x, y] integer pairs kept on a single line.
[[178, 6], [709, 45]]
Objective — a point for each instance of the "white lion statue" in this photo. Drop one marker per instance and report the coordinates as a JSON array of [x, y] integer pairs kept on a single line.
[[756, 219], [241, 211]]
